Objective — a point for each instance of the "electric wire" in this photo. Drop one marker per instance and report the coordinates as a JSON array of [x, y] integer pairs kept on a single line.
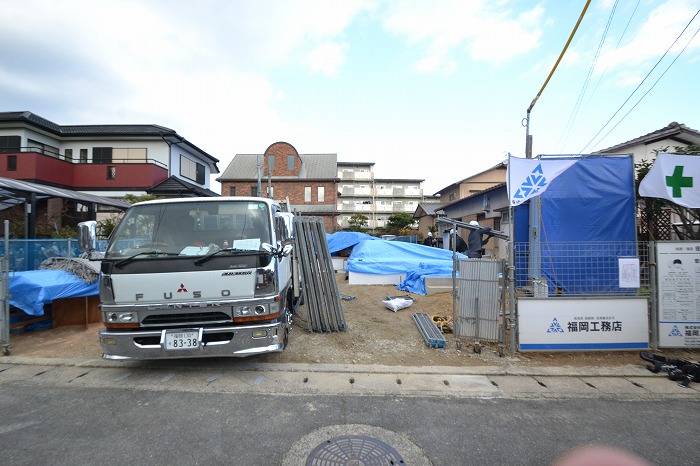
[[617, 46], [561, 55], [574, 113], [652, 87], [641, 83]]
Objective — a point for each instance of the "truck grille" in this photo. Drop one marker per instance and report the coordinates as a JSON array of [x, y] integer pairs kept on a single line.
[[187, 318]]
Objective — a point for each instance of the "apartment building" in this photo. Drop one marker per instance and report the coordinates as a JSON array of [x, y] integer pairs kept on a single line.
[[376, 198]]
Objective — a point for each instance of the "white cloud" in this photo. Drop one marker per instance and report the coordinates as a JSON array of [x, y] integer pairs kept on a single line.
[[488, 32], [326, 58], [661, 28]]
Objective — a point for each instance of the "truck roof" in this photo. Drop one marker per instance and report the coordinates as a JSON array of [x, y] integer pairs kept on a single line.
[[209, 199]]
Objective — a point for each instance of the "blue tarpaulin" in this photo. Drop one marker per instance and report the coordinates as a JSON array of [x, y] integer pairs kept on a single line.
[[591, 207], [393, 257], [30, 290], [346, 239]]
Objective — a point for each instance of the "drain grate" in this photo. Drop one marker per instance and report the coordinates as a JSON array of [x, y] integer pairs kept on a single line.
[[359, 450]]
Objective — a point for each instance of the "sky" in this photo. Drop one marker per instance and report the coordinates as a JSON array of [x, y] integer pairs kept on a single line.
[[432, 90]]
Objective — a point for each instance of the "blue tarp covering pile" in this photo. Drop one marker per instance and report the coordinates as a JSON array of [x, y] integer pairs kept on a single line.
[[30, 290], [394, 257], [346, 239]]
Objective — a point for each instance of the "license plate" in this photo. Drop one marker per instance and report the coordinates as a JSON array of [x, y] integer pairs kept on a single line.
[[186, 339]]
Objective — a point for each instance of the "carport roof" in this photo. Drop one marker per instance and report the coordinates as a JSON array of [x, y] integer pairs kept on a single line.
[[13, 191]]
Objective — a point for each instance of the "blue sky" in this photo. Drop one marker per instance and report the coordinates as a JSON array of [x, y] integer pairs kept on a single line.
[[433, 90]]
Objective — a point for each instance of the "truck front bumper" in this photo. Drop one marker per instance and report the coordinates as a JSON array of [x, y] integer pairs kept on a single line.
[[232, 341]]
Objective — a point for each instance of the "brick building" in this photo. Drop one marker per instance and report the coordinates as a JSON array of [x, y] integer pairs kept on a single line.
[[308, 181]]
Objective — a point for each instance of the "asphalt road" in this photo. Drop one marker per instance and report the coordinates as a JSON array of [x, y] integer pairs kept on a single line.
[[244, 415]]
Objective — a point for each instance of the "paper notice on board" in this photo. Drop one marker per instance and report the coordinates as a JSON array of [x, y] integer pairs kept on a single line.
[[629, 272]]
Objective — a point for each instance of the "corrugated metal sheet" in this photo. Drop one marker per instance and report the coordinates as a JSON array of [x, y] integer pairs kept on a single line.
[[478, 292]]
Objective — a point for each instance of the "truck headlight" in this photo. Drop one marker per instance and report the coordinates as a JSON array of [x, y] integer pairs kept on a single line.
[[251, 311], [122, 317]]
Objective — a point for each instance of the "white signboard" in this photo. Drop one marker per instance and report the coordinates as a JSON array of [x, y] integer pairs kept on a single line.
[[678, 272], [583, 324]]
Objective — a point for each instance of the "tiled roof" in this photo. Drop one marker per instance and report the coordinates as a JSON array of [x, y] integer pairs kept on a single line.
[[674, 130], [36, 121], [313, 166], [174, 186]]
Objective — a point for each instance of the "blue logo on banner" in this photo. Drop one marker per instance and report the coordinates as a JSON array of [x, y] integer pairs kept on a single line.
[[532, 184], [554, 327], [675, 332]]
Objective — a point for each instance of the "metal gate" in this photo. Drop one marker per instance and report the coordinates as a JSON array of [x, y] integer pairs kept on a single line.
[[480, 294]]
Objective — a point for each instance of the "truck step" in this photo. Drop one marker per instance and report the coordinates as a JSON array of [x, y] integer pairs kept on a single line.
[[429, 331]]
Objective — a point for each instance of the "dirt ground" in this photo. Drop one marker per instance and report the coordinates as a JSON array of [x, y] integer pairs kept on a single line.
[[375, 335]]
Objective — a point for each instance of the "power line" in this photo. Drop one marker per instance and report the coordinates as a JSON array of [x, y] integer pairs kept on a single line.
[[584, 87], [642, 82], [652, 87]]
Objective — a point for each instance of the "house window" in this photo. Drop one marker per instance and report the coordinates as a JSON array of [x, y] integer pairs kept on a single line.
[[321, 194], [232, 191], [307, 193], [254, 191], [270, 164], [101, 155], [11, 163], [129, 155], [10, 144], [290, 162], [111, 172], [68, 154], [191, 170], [83, 155]]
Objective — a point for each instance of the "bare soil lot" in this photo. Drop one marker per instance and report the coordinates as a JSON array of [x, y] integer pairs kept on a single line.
[[375, 335]]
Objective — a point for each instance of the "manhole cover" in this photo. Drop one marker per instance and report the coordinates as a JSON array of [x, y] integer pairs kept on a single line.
[[354, 450]]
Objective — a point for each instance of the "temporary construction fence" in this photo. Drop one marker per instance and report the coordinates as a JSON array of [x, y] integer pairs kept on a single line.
[[619, 268], [320, 290], [29, 254], [5, 296], [481, 298]]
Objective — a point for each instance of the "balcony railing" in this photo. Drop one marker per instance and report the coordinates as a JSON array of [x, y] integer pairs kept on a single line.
[[77, 160]]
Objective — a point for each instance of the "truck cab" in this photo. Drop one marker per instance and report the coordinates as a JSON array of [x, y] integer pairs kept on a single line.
[[197, 277]]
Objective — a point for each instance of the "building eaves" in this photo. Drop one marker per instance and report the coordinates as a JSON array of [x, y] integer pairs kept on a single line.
[[674, 130], [467, 179], [177, 186], [480, 193], [72, 131]]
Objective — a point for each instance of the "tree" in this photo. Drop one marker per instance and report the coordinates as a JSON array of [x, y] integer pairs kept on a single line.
[[358, 222], [398, 222], [687, 227]]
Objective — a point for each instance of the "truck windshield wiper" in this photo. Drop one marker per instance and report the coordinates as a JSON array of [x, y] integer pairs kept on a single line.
[[125, 261], [232, 251]]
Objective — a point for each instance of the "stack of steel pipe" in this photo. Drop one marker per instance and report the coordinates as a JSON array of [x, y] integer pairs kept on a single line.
[[322, 298]]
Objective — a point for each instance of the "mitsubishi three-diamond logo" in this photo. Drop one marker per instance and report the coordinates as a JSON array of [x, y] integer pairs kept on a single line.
[[532, 184]]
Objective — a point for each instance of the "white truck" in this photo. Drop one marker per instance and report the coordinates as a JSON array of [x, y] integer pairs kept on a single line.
[[197, 277]]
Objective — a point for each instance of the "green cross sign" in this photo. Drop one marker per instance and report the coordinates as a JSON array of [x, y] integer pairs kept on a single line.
[[678, 181]]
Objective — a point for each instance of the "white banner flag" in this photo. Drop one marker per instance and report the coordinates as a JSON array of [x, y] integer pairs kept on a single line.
[[675, 178], [530, 177]]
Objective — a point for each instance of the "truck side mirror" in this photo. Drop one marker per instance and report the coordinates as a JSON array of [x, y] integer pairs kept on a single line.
[[87, 236], [279, 251]]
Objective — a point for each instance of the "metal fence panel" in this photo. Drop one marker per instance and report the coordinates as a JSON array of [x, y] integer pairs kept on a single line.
[[478, 291], [582, 269]]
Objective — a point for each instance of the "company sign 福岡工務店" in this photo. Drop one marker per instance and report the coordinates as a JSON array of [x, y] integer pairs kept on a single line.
[[583, 324]]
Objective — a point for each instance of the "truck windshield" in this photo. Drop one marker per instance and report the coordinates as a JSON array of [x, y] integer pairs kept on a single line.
[[176, 229]]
